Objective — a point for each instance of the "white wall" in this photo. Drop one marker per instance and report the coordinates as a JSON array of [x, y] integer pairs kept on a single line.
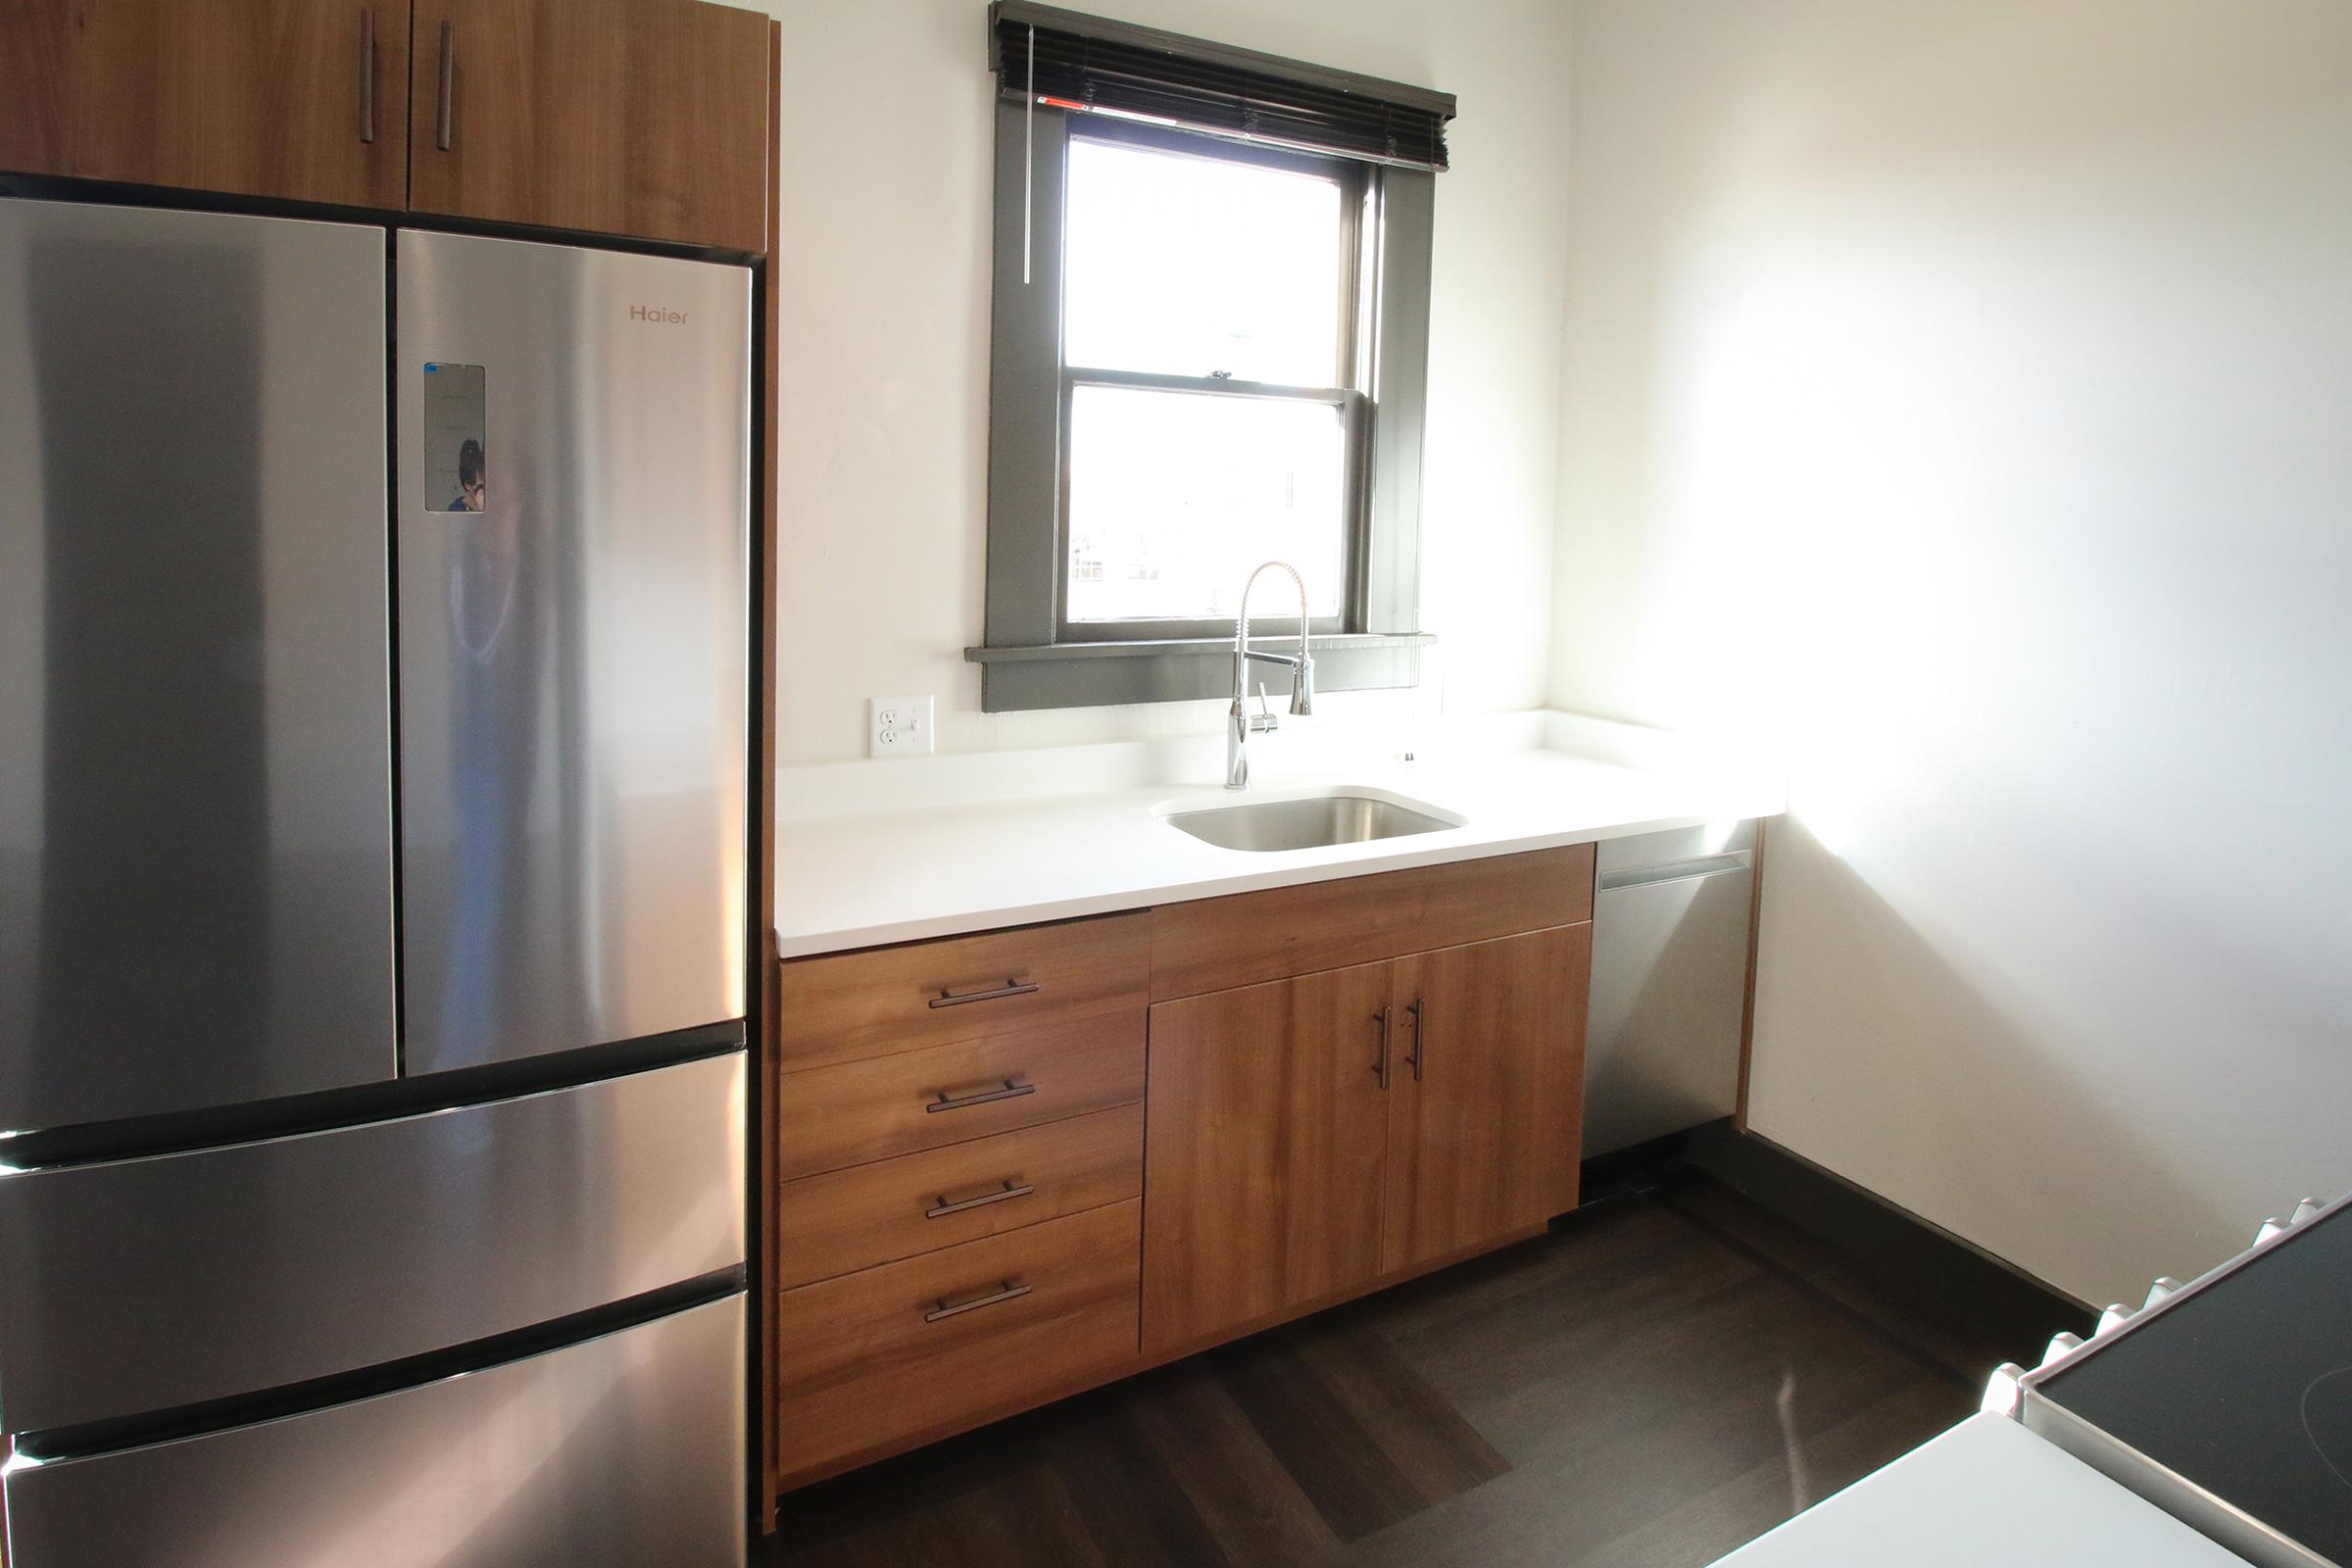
[[1964, 390], [886, 202]]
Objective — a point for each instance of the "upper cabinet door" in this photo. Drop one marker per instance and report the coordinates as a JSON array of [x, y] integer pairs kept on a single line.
[[645, 117], [300, 99], [1487, 1116], [1265, 1132]]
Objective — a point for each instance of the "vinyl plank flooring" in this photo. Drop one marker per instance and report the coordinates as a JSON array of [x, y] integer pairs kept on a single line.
[[1660, 1379], [1250, 1502]]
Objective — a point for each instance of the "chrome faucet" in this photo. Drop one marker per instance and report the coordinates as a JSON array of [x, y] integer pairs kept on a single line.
[[1240, 723]]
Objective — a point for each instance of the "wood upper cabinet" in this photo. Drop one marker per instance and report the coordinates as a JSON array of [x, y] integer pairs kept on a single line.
[[1264, 1146], [1486, 1108], [305, 100], [645, 117]]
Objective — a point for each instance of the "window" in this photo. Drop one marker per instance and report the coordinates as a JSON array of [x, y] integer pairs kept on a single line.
[[1208, 330], [1208, 353]]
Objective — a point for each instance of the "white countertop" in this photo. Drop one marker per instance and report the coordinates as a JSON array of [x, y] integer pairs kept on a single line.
[[1987, 1491], [997, 857]]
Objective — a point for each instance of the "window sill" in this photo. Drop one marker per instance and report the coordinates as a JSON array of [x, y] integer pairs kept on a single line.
[[1179, 669]]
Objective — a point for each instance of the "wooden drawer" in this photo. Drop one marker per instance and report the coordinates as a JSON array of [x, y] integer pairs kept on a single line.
[[1245, 938], [916, 1350], [859, 1112], [851, 1005], [847, 1221]]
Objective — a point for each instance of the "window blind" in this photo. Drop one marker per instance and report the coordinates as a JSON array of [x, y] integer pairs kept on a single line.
[[1090, 64]]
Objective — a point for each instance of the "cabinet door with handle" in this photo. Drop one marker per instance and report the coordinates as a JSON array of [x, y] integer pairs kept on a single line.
[[301, 99], [1265, 1138], [1486, 1111], [645, 117]]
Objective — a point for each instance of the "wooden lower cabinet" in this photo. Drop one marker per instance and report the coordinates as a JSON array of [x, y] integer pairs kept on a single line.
[[889, 1355], [1000, 1179], [1312, 1136], [1265, 1144], [828, 1118], [1487, 1107], [846, 1220]]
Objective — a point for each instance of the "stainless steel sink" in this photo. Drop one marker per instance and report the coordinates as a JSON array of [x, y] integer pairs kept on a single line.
[[1313, 822]]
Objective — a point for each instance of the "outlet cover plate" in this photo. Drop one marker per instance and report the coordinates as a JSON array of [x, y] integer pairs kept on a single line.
[[898, 727]]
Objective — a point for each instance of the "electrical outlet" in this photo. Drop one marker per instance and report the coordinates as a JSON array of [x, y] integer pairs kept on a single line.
[[901, 726]]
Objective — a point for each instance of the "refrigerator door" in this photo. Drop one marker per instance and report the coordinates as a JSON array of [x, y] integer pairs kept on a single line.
[[625, 1449], [573, 526], [144, 1285], [195, 775]]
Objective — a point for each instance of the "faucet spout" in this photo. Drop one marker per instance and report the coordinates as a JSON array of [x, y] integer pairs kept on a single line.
[[1240, 723]]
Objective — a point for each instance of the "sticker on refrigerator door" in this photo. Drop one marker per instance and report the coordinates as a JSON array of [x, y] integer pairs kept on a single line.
[[456, 438]]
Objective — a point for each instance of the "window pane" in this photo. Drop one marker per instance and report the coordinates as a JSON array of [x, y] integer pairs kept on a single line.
[[1175, 495], [1186, 265]]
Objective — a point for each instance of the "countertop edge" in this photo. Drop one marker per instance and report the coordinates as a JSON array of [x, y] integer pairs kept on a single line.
[[1408, 855]]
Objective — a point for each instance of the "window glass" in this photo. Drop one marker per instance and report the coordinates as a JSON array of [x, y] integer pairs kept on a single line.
[[1199, 265], [1175, 495]]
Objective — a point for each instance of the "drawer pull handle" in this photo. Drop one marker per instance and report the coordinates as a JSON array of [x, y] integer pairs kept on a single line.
[[1003, 1194], [1010, 988], [1005, 1291], [1011, 1090]]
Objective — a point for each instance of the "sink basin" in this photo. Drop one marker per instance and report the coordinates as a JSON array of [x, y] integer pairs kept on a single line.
[[1311, 821]]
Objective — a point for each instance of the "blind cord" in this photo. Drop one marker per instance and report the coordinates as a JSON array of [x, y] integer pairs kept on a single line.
[[1028, 156]]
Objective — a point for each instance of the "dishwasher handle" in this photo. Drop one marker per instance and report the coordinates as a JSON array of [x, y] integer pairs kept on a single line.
[[1641, 877]]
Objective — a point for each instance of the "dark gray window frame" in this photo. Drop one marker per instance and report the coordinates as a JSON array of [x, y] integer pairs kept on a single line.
[[1032, 656]]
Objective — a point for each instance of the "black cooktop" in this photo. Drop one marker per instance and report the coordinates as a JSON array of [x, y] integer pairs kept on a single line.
[[2241, 1386]]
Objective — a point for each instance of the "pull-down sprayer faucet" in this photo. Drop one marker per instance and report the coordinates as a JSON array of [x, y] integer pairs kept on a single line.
[[1239, 723]]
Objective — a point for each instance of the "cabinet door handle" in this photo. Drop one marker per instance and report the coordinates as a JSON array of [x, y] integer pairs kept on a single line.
[[1380, 1063], [1011, 1090], [1420, 1051], [367, 75], [1005, 1291], [1003, 1194], [447, 124], [1010, 988]]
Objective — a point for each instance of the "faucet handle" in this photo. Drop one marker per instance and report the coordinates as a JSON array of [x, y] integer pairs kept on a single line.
[[1265, 719]]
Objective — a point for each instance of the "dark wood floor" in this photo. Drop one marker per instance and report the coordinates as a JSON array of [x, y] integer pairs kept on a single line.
[[1666, 1375]]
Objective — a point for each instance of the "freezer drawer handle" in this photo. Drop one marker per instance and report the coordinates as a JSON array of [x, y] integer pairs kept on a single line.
[[1011, 1090], [1005, 1291], [1010, 988], [1003, 1194], [367, 75]]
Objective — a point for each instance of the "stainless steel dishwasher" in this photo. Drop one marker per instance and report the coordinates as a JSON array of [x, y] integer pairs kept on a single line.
[[1669, 925]]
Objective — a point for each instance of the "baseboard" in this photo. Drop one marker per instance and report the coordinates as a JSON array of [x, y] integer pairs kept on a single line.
[[1639, 1167], [1887, 1238]]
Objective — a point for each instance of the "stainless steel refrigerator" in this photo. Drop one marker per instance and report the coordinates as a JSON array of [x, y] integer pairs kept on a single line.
[[373, 629]]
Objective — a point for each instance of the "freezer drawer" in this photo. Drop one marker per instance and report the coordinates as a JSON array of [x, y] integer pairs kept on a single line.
[[573, 645], [1670, 928], [149, 1284], [195, 682], [614, 1452]]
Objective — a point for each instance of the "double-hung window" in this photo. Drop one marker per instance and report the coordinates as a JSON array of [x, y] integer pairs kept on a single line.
[[1210, 337]]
